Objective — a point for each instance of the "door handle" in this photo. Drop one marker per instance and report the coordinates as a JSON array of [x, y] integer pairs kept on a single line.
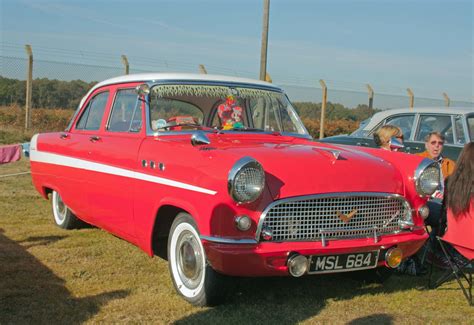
[[94, 138], [64, 136], [362, 144]]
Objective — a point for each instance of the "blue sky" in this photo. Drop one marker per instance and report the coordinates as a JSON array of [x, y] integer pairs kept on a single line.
[[423, 44]]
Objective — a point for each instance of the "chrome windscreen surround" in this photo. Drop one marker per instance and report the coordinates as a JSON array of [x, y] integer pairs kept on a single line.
[[335, 216]]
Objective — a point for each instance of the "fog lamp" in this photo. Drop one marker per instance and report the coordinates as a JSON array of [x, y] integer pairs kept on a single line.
[[393, 257], [424, 211], [243, 223], [297, 265]]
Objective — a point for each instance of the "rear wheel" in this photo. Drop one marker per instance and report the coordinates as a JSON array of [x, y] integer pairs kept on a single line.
[[63, 217], [192, 276]]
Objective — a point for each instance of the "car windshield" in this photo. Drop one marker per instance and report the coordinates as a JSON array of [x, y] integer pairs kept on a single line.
[[182, 107], [360, 132]]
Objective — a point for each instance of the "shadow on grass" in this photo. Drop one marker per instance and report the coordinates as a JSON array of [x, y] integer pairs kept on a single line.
[[34, 241], [32, 293], [286, 300], [381, 319]]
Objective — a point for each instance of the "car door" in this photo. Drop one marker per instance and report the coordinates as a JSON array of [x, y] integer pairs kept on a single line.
[[114, 148], [79, 141]]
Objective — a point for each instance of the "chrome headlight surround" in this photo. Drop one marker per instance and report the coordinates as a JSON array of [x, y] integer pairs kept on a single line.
[[246, 180], [427, 177]]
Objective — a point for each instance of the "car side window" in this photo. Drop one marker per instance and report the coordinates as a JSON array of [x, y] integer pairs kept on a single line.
[[93, 113], [404, 122], [470, 126], [460, 137], [435, 123], [123, 110]]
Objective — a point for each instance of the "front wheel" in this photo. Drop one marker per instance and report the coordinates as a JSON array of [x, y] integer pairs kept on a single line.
[[63, 217], [192, 277]]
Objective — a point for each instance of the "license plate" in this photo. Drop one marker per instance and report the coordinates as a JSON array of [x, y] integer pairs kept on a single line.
[[343, 262]]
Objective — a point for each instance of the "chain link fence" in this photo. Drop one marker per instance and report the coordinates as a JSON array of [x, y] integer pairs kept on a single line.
[[348, 94]]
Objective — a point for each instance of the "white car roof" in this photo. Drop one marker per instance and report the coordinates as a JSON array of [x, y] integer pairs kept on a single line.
[[155, 77], [380, 116]]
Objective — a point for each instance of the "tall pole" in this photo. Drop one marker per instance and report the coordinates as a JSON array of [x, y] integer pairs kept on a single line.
[[323, 107], [29, 87], [263, 53]]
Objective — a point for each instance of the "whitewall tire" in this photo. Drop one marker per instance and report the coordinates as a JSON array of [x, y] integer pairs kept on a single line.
[[63, 217], [192, 277]]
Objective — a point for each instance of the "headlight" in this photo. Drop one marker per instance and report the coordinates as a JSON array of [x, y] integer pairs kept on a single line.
[[246, 180], [427, 177]]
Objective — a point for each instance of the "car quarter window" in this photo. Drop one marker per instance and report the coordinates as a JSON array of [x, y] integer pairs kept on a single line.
[[123, 110], [174, 115], [435, 123], [93, 113], [458, 127], [404, 122]]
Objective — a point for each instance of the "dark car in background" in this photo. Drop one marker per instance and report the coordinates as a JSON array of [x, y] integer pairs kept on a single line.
[[456, 124]]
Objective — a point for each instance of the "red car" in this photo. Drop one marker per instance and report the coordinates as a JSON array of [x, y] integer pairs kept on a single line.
[[219, 176]]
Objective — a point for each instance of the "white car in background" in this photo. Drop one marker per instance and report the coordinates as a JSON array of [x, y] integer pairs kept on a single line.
[[456, 124]]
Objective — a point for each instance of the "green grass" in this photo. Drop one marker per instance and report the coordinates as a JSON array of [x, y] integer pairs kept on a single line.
[[50, 275]]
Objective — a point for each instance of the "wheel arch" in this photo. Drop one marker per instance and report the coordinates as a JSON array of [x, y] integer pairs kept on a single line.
[[163, 220]]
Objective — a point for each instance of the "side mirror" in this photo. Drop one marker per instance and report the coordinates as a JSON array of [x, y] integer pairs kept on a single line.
[[396, 144], [199, 138]]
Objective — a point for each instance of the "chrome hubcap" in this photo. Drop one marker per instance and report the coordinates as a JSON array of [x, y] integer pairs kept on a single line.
[[61, 208], [189, 260]]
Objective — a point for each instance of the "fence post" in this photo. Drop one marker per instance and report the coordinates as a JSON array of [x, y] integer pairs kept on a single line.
[[447, 101], [202, 69], [29, 87], [263, 52], [268, 78], [125, 63], [412, 97], [323, 107], [371, 95]]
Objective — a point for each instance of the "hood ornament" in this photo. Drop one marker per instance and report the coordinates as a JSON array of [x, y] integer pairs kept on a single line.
[[335, 153]]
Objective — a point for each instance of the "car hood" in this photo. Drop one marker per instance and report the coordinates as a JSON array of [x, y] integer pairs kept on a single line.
[[301, 167]]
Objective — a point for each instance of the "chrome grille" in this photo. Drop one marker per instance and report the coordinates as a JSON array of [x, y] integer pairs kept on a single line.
[[319, 217]]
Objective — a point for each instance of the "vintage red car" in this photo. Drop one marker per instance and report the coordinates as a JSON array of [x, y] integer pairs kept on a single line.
[[220, 174]]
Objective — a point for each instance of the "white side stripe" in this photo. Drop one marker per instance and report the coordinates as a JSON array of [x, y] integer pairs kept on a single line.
[[55, 159]]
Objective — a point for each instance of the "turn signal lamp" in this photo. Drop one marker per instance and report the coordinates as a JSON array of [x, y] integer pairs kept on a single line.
[[393, 257]]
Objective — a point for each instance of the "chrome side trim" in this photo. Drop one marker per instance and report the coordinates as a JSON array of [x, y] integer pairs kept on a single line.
[[222, 240]]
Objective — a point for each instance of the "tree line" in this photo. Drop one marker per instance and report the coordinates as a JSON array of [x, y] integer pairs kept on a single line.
[[53, 93], [47, 93]]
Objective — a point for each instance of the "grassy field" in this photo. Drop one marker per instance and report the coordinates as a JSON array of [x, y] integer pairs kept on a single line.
[[50, 275]]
